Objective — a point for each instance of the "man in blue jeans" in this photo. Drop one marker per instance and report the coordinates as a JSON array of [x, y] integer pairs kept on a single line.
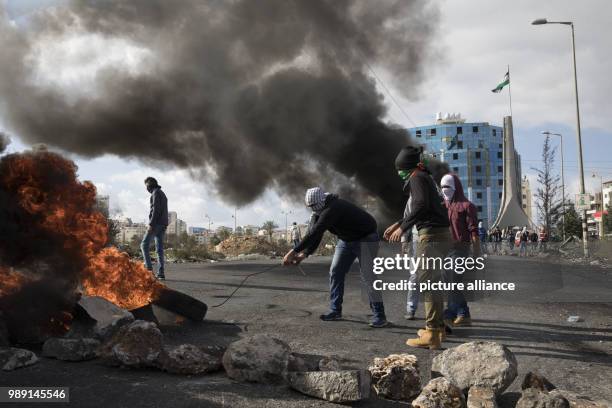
[[357, 239], [158, 222]]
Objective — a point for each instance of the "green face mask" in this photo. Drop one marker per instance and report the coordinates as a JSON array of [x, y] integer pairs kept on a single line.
[[404, 174]]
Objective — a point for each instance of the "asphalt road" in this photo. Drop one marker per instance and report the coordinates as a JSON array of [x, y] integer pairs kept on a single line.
[[532, 322]]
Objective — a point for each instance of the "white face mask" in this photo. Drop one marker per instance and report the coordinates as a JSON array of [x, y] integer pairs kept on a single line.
[[448, 187], [448, 193]]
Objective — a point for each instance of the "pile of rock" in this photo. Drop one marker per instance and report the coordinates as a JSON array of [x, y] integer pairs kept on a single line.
[[248, 245], [265, 359]]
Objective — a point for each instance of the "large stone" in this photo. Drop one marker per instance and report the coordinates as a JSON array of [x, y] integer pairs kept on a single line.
[[396, 377], [580, 401], [481, 397], [534, 398], [334, 386], [440, 393], [538, 381], [108, 316], [259, 358], [70, 349], [138, 344], [12, 358], [484, 363], [188, 359]]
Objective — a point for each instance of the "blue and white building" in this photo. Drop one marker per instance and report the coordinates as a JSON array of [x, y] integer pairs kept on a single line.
[[473, 151]]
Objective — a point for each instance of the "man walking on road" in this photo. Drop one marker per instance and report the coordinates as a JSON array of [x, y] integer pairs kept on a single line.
[[357, 239], [296, 236], [427, 212], [158, 222]]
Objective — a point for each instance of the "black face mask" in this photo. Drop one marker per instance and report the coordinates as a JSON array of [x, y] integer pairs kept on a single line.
[[150, 188]]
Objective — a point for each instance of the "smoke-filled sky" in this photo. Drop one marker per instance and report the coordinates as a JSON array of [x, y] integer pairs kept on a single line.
[[205, 96]]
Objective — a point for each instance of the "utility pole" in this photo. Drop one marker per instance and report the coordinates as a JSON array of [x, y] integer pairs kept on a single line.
[[585, 232]]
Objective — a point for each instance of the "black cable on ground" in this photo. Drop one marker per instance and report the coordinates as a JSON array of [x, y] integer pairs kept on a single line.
[[243, 281]]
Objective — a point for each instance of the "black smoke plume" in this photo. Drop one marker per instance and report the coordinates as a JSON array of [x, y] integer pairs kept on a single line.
[[247, 94]]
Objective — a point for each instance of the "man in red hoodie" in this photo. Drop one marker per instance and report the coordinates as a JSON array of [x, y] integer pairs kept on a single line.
[[463, 218]]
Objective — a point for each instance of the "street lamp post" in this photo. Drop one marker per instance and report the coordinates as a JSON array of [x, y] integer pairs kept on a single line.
[[209, 222], [235, 220], [541, 21], [286, 213], [547, 133]]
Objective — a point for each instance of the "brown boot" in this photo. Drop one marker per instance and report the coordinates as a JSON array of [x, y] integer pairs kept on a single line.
[[428, 338], [462, 321], [420, 333]]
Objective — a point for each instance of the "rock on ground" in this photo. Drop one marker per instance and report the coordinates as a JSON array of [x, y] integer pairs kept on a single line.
[[537, 381], [259, 358], [334, 386], [109, 317], [12, 358], [534, 398], [188, 359], [580, 401], [396, 377], [138, 344], [483, 363], [481, 397], [70, 349], [440, 393]]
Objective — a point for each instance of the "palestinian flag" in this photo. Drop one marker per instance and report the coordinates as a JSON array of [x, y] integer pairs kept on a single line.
[[503, 83]]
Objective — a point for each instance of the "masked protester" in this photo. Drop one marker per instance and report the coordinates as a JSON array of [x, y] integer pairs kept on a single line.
[[158, 222], [357, 239], [462, 215], [427, 212]]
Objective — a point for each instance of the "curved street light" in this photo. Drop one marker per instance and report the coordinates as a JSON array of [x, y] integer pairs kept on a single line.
[[585, 234]]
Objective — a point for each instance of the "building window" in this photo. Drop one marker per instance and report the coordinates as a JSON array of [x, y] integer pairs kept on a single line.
[[478, 169], [459, 144], [479, 195], [456, 170], [479, 208], [418, 133], [500, 169], [455, 156], [499, 195], [524, 197], [501, 146], [474, 129], [500, 182], [494, 132], [459, 130], [479, 182], [477, 155], [499, 155], [432, 132]]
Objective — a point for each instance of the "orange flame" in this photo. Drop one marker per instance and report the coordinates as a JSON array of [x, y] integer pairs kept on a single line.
[[66, 209]]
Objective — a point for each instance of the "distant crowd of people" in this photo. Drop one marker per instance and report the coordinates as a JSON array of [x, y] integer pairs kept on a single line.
[[528, 242]]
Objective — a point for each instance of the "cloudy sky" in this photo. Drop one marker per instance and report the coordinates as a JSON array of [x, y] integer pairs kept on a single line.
[[477, 39]]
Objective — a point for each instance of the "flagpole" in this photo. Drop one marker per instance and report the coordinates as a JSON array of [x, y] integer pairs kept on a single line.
[[509, 90]]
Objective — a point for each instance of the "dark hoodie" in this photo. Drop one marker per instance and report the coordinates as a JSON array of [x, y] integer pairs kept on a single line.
[[341, 218], [426, 208], [462, 215]]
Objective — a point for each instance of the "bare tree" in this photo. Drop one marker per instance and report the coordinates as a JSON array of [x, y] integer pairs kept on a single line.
[[547, 195]]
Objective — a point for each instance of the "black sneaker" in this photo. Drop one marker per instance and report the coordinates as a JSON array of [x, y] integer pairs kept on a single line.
[[410, 316], [331, 316], [161, 277], [378, 322]]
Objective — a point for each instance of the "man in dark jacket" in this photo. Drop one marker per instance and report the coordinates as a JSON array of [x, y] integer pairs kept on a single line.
[[357, 238], [427, 212], [158, 222]]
